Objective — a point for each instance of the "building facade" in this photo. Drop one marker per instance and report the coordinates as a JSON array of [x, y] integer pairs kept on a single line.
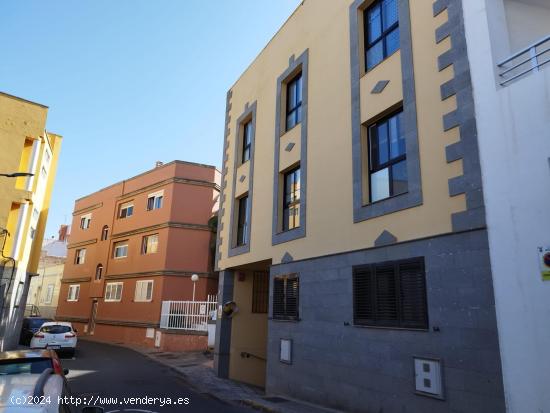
[[25, 147], [135, 244], [44, 289], [509, 52], [353, 244]]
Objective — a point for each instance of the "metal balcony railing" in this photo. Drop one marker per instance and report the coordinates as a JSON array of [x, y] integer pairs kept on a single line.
[[530, 59]]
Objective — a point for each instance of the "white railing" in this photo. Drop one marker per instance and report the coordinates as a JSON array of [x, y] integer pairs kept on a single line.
[[530, 59], [187, 315]]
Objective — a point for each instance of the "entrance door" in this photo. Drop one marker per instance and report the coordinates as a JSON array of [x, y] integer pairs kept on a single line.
[[91, 325]]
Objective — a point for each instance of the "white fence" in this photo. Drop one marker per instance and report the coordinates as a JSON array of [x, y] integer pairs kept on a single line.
[[187, 315]]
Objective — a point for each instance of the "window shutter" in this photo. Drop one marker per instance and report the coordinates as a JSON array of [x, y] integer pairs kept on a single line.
[[387, 312], [292, 294], [413, 294], [363, 296], [279, 298]]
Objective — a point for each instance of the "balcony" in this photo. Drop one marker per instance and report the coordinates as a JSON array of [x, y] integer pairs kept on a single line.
[[531, 59]]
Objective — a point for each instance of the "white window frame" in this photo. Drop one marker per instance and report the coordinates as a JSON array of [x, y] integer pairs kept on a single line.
[[79, 260], [43, 173], [74, 292], [120, 245], [110, 295], [144, 240], [85, 221], [49, 294], [140, 295], [158, 197], [125, 206]]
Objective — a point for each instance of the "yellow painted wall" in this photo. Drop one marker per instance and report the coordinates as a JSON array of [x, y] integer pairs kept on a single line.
[[322, 26], [21, 124], [248, 334]]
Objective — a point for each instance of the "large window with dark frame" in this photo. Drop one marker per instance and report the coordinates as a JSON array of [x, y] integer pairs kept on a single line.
[[294, 101], [286, 292], [291, 199], [381, 20], [387, 158], [391, 294], [260, 292], [242, 221], [247, 141]]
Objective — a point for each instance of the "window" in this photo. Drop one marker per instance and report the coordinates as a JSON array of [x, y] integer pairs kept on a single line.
[[104, 233], [294, 102], [49, 294], [120, 249], [74, 292], [149, 244], [242, 221], [32, 232], [113, 292], [35, 214], [381, 31], [80, 256], [47, 156], [126, 210], [291, 200], [285, 297], [387, 160], [260, 292], [391, 294], [247, 141], [144, 291], [154, 201], [98, 272], [85, 221], [43, 173]]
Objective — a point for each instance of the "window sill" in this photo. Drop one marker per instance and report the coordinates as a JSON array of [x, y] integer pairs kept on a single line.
[[386, 206], [288, 235], [284, 320], [421, 330]]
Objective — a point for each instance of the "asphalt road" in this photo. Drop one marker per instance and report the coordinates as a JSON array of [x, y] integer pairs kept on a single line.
[[101, 371]]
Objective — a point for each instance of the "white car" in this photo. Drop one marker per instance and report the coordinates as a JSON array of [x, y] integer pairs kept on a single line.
[[56, 335]]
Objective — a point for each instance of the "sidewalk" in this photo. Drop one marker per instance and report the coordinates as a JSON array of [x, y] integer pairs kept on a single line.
[[197, 369]]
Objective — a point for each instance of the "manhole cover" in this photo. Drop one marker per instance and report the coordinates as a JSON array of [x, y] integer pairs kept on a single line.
[[275, 399]]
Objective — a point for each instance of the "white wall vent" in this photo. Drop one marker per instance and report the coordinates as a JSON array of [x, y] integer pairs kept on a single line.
[[428, 380]]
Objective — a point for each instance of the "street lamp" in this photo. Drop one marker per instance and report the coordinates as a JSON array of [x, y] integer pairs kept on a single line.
[[17, 174], [194, 278]]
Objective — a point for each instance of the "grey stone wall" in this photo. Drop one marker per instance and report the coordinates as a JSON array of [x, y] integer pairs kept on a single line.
[[371, 369]]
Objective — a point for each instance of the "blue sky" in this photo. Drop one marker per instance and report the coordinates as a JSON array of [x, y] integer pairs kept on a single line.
[[130, 82]]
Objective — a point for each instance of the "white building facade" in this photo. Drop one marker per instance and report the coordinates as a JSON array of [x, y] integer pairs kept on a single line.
[[508, 45]]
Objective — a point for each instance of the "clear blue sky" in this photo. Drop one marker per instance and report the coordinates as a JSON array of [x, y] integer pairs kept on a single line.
[[130, 82]]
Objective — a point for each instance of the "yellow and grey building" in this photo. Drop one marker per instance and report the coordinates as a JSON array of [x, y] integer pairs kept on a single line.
[[352, 243], [25, 147]]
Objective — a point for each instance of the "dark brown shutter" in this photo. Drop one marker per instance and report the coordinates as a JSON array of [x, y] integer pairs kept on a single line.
[[292, 294], [387, 311], [413, 294], [363, 296], [279, 298]]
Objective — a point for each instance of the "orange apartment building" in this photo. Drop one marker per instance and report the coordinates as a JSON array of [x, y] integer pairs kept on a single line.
[[135, 244]]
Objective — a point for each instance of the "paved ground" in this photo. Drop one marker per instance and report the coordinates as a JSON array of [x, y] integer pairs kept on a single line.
[[107, 371], [197, 368]]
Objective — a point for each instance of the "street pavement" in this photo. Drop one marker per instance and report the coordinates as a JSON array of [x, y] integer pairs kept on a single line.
[[109, 376]]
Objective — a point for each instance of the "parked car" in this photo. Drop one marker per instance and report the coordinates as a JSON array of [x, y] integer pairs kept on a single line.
[[31, 362], [56, 335], [30, 326]]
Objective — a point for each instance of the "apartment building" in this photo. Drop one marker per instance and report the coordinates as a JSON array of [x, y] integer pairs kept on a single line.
[[44, 288], [509, 53], [358, 259], [25, 147], [135, 244]]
